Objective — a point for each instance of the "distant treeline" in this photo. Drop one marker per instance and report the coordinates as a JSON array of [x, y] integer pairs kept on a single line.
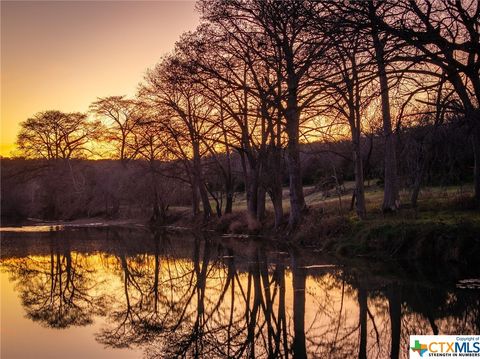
[[71, 189]]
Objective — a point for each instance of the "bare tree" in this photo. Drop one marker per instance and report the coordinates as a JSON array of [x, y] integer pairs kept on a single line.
[[445, 35], [121, 115], [279, 33], [390, 191], [185, 111], [55, 135], [346, 84], [152, 146], [246, 95]]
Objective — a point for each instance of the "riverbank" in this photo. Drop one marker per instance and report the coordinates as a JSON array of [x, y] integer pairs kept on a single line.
[[444, 227], [434, 240], [443, 236]]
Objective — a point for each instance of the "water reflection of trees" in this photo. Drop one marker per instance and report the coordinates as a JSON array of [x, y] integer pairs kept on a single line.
[[214, 301], [203, 307], [58, 290], [220, 304]]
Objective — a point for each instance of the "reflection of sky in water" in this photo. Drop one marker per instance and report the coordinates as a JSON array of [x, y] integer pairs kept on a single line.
[[33, 229], [211, 301], [25, 339]]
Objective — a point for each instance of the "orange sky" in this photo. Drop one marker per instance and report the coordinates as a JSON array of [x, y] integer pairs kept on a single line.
[[64, 54]]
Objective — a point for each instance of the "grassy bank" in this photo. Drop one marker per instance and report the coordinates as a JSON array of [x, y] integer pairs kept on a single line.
[[444, 227]]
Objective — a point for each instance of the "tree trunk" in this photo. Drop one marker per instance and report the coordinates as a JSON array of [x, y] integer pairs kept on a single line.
[[156, 218], [297, 201], [246, 179], [192, 180], [363, 309], [252, 314], [261, 196], [476, 156], [218, 203], [281, 315], [395, 309], [252, 191], [275, 190], [418, 181], [159, 206], [229, 185], [299, 283], [207, 209], [276, 197], [359, 186], [390, 195], [195, 199], [229, 199], [198, 175]]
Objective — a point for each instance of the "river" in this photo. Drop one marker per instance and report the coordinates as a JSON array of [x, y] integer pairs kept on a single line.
[[130, 293]]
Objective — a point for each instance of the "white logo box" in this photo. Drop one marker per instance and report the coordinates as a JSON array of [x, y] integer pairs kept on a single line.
[[444, 346]]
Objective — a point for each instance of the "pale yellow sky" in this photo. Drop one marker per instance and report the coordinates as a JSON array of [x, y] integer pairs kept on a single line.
[[62, 55]]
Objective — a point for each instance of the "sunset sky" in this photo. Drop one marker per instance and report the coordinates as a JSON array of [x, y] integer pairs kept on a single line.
[[62, 55]]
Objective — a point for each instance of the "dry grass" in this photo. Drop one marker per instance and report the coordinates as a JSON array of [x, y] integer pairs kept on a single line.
[[445, 226], [435, 203]]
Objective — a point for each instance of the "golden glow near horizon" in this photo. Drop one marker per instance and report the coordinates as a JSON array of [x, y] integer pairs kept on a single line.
[[62, 55]]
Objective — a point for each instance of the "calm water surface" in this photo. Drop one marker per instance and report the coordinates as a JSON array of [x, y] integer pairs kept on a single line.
[[124, 293]]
